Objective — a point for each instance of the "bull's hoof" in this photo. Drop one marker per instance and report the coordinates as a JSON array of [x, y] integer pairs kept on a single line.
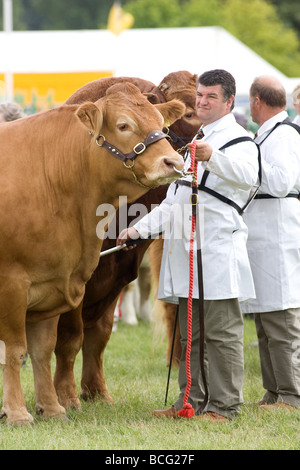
[[51, 412], [70, 403], [18, 421], [62, 417], [59, 416], [87, 395]]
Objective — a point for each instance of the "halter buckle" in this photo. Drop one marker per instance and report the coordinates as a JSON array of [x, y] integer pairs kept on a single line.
[[139, 148], [194, 199]]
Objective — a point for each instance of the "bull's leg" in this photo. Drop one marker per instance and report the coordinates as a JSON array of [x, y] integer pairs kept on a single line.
[[69, 342], [94, 343], [41, 338], [13, 303]]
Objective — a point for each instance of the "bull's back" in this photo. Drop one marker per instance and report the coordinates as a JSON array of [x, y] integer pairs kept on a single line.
[[96, 89]]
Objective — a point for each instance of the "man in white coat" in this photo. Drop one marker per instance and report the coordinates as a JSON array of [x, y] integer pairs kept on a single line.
[[273, 221], [231, 172]]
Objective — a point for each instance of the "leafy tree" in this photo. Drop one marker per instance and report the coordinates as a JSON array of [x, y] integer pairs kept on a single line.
[[152, 14], [289, 13], [260, 28], [174, 13], [18, 23], [60, 14], [201, 13]]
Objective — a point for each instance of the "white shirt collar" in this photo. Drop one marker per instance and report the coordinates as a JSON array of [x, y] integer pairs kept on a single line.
[[219, 124], [270, 123]]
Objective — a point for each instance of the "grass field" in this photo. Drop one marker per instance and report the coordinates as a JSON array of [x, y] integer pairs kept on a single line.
[[136, 377]]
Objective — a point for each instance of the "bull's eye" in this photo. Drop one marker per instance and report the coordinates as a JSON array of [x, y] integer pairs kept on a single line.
[[123, 127], [189, 115]]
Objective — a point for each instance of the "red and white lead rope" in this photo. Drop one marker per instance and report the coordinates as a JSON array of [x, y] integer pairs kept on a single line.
[[187, 410]]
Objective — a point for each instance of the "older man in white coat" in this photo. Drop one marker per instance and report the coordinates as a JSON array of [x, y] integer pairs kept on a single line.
[[273, 221], [229, 172]]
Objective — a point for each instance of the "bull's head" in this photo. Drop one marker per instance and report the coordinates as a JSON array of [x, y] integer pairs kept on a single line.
[[126, 125], [182, 85]]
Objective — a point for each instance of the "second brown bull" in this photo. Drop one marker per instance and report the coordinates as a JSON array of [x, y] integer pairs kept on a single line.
[[118, 269]]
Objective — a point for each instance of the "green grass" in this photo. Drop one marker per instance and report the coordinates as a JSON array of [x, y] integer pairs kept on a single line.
[[136, 377]]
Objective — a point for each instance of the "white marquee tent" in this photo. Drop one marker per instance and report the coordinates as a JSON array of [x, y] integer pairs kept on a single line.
[[146, 53]]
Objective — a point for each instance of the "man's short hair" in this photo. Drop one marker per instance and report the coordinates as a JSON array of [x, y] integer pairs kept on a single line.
[[219, 77], [275, 97]]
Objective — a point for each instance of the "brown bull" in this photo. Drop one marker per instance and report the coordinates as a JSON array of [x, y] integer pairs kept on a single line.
[[57, 169], [118, 269]]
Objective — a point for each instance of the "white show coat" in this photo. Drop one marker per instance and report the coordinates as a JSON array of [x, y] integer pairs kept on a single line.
[[296, 120], [226, 268], [274, 224]]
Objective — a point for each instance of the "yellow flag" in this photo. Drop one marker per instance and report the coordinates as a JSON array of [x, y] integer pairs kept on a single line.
[[118, 20]]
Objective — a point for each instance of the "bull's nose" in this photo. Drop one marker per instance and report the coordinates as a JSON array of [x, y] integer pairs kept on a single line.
[[174, 164], [181, 173]]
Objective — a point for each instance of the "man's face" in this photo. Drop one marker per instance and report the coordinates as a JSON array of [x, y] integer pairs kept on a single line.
[[255, 108], [210, 104], [297, 107]]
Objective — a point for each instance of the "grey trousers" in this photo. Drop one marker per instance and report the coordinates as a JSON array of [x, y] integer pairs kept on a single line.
[[223, 356], [279, 349]]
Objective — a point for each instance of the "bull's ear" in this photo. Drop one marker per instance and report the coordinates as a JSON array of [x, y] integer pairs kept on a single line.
[[152, 98], [91, 116], [171, 111], [163, 87]]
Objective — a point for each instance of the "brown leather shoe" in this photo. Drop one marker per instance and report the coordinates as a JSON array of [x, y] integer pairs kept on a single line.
[[211, 416], [169, 413], [279, 405], [261, 402]]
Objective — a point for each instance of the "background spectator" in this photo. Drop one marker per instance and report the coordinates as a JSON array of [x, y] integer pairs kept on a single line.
[[296, 103], [10, 112]]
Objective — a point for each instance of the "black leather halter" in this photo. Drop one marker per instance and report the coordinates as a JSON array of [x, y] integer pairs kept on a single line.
[[152, 137], [181, 141], [176, 138], [139, 148]]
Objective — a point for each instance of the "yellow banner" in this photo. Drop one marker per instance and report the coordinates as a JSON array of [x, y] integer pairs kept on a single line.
[[39, 91]]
